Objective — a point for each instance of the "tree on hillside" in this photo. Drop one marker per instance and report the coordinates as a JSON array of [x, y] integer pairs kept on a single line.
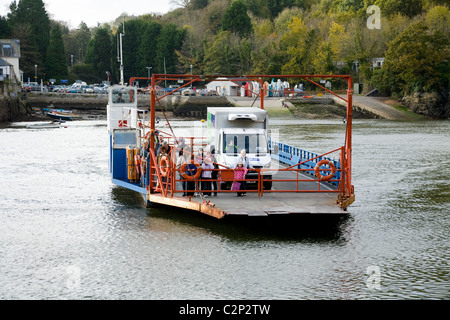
[[131, 42], [198, 4], [82, 37], [33, 14], [294, 44], [5, 28], [76, 43], [169, 40], [29, 55], [408, 8], [146, 51], [99, 52], [56, 63], [223, 55], [236, 19], [416, 60], [266, 56], [438, 18]]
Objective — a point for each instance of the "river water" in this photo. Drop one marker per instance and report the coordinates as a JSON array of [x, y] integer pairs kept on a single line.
[[67, 232]]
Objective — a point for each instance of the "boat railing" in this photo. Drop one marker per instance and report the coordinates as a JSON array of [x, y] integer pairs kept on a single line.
[[302, 159], [300, 175]]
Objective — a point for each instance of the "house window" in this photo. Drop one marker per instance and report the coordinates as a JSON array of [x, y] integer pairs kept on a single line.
[[7, 50]]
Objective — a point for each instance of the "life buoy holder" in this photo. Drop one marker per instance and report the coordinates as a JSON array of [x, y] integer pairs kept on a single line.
[[164, 166], [317, 170], [184, 169]]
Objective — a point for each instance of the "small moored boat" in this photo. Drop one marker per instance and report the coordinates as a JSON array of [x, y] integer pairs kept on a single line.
[[45, 125], [61, 116]]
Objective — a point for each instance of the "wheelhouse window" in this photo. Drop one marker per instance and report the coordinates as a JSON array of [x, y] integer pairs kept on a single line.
[[124, 95]]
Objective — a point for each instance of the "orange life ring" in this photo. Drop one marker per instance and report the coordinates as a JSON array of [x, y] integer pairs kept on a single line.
[[190, 177], [164, 166], [317, 170]]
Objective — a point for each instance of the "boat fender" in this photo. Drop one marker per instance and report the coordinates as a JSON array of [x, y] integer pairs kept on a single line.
[[184, 168], [138, 163], [164, 166], [317, 170]]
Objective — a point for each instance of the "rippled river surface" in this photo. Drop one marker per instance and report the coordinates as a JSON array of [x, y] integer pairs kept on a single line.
[[67, 232]]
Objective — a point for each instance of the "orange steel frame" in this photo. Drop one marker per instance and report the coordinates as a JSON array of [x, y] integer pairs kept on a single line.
[[168, 188]]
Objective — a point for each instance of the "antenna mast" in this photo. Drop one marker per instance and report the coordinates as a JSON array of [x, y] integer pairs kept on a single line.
[[120, 53]]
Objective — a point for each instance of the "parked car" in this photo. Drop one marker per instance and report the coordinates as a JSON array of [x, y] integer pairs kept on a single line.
[[26, 87], [86, 89], [100, 90], [73, 90], [56, 88], [35, 86]]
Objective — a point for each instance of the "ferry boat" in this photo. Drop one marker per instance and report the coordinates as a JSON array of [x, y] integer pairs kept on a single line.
[[304, 182]]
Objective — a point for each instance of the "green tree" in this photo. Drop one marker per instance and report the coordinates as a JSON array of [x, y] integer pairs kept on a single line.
[[33, 14], [131, 42], [438, 18], [417, 60], [266, 56], [169, 40], [146, 51], [82, 37], [29, 55], [221, 54], [198, 4], [294, 44], [5, 28], [408, 8], [99, 52], [236, 19], [56, 63]]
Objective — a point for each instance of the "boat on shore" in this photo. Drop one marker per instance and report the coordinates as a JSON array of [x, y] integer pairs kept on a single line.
[[62, 116], [297, 182], [57, 110]]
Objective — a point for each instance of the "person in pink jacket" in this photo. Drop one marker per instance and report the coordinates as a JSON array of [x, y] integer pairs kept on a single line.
[[239, 174]]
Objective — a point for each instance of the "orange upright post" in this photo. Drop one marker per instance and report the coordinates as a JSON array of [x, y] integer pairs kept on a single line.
[[348, 142]]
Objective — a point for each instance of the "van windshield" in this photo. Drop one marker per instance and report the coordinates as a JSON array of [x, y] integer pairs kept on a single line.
[[252, 143]]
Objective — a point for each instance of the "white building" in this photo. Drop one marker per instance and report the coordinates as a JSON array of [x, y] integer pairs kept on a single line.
[[10, 54], [5, 70], [224, 88], [376, 63]]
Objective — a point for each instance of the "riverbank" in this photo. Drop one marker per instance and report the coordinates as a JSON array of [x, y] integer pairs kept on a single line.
[[93, 107]]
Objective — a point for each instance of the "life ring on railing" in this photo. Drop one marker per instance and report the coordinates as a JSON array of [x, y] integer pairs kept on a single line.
[[317, 170], [164, 166], [184, 170]]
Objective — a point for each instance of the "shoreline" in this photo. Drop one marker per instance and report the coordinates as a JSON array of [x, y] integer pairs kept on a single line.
[[194, 108]]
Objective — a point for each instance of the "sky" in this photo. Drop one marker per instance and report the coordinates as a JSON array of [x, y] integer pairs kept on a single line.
[[96, 11]]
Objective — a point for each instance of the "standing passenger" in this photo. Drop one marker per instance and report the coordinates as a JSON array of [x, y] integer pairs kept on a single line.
[[239, 174], [215, 173], [207, 166]]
